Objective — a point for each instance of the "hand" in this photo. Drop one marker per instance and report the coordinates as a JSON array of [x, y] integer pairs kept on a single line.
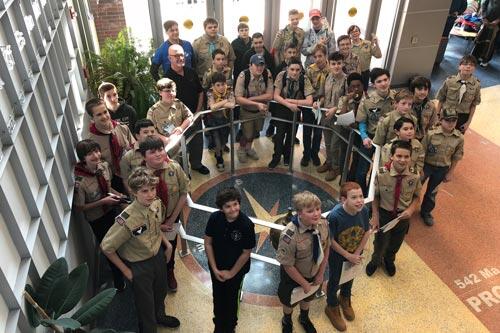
[[465, 127], [293, 107], [128, 274], [318, 279], [218, 275], [110, 200], [367, 143], [168, 224], [448, 177], [315, 105], [262, 107], [354, 258], [329, 114], [226, 274], [374, 222], [374, 39], [307, 287], [168, 252], [177, 131], [406, 214]]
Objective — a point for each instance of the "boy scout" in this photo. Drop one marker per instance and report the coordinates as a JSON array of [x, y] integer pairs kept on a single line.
[[291, 34], [95, 197], [405, 131], [351, 61], [402, 108], [219, 65], [461, 92], [423, 108], [254, 88], [365, 50], [444, 147], [371, 109], [133, 158], [303, 255], [172, 189], [143, 250], [117, 107], [397, 190], [113, 138]]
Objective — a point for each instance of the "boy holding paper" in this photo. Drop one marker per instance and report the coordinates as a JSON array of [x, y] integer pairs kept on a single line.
[[397, 190], [303, 255], [349, 225]]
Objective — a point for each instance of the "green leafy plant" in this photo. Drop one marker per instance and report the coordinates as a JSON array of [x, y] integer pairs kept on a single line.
[[128, 69], [58, 292]]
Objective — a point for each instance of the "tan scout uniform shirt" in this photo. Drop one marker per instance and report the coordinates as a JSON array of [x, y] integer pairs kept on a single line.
[[374, 107], [365, 51], [317, 77], [385, 128], [297, 94], [286, 37], [204, 57], [163, 115], [428, 117], [125, 140], [136, 233], [442, 149], [449, 93], [417, 154], [347, 104], [385, 186], [296, 247], [351, 64], [256, 87], [131, 160], [177, 183], [206, 82], [87, 190]]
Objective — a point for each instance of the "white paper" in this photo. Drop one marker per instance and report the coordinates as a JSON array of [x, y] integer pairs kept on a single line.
[[172, 234], [345, 119], [349, 271], [390, 224], [298, 293]]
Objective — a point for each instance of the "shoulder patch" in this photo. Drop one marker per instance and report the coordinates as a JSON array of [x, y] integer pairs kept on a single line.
[[289, 233], [413, 170], [382, 169], [287, 239], [124, 215], [119, 220]]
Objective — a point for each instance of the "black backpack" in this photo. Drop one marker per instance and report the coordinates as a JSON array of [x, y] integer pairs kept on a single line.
[[246, 72]]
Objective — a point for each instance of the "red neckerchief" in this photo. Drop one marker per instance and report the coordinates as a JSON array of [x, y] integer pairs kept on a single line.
[[114, 145], [80, 170], [161, 188]]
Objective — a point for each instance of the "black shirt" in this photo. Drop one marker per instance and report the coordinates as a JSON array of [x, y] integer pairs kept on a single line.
[[188, 87], [240, 47], [229, 239], [125, 114], [268, 58]]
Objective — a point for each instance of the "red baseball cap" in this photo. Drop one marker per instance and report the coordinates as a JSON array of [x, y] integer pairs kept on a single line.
[[314, 13]]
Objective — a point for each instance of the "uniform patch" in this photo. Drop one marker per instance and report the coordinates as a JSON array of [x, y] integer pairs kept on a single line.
[[411, 182], [289, 232], [140, 230], [431, 149], [119, 220], [125, 215], [171, 173], [287, 239], [235, 235]]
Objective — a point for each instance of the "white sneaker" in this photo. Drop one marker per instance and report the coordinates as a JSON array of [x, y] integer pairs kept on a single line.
[[242, 156]]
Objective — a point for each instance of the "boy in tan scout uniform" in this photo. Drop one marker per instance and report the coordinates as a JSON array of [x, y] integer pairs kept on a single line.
[[172, 189], [205, 45], [137, 246], [303, 255], [95, 197], [461, 92], [291, 34], [405, 131], [311, 137], [253, 103], [370, 111], [365, 50], [351, 61], [219, 65], [444, 147], [113, 138], [402, 108], [397, 190], [423, 108], [133, 158]]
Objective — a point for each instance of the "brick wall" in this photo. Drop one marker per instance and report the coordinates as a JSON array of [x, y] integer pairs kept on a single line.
[[109, 18]]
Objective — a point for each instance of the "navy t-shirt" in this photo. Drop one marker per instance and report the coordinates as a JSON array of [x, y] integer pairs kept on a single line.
[[229, 239], [346, 229]]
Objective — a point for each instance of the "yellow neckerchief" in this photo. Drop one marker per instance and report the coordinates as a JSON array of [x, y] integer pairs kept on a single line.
[[220, 97]]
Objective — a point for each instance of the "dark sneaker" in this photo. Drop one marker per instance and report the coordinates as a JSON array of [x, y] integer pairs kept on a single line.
[[307, 325], [296, 141], [226, 149], [203, 170], [286, 326], [304, 162], [220, 163], [171, 280], [371, 268], [428, 220], [390, 268], [273, 164], [168, 321], [286, 161], [315, 159]]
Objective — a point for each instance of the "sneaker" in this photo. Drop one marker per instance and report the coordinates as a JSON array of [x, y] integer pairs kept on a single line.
[[168, 321], [304, 162], [171, 281], [428, 219], [286, 161], [324, 168], [332, 174], [307, 325], [345, 305], [390, 268], [269, 133], [273, 164], [286, 326], [483, 64], [252, 154], [296, 141], [242, 156], [315, 159], [226, 149], [371, 268], [333, 313], [203, 170], [220, 164]]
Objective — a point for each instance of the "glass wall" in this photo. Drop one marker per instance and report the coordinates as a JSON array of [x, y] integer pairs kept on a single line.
[[303, 6], [137, 18], [190, 15], [384, 29], [350, 12], [236, 11]]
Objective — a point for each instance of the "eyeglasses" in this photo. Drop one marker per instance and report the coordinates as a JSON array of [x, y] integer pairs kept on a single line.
[[168, 91], [176, 56]]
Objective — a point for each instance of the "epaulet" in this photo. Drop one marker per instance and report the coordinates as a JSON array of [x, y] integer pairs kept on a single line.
[[121, 219], [382, 169]]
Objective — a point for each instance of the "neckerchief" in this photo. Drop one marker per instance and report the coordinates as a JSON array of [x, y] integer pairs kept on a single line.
[[114, 145], [80, 170]]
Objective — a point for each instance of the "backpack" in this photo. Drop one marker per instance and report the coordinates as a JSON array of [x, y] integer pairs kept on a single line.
[[301, 84], [265, 76]]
